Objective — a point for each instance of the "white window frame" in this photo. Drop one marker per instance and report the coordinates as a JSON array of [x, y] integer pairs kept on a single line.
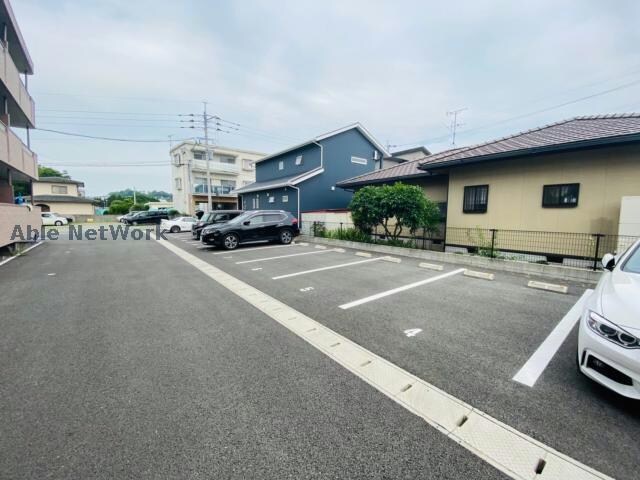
[[272, 199], [359, 160], [285, 198], [281, 165], [64, 189], [178, 183], [299, 160]]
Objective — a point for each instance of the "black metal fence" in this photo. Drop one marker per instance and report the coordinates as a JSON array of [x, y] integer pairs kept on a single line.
[[581, 250]]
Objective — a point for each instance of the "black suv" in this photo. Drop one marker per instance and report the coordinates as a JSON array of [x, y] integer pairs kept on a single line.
[[253, 226], [210, 218], [150, 216]]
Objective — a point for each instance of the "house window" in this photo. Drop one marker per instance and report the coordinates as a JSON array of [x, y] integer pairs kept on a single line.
[[59, 189], [247, 164], [560, 196], [475, 199], [176, 159], [228, 160], [299, 160], [281, 165], [359, 160], [200, 155], [178, 183], [285, 198], [272, 199]]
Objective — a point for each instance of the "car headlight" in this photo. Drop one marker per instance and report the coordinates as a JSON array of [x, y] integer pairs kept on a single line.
[[611, 331]]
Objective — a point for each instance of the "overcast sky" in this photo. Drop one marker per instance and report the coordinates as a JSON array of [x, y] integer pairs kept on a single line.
[[289, 70]]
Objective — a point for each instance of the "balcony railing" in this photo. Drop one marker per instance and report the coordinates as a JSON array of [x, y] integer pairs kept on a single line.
[[217, 190], [10, 76], [16, 154], [216, 167]]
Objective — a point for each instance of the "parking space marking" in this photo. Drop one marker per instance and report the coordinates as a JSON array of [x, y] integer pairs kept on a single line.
[[530, 372], [322, 269], [510, 451], [283, 256], [241, 250], [393, 291]]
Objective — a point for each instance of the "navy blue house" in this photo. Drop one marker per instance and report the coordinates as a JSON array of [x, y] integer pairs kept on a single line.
[[303, 178]]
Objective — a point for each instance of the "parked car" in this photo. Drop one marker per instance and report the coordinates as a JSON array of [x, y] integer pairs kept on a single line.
[[609, 332], [51, 218], [148, 217], [178, 224], [122, 218], [253, 226], [211, 218]]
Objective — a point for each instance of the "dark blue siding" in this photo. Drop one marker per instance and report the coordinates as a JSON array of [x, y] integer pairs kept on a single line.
[[316, 192], [319, 192], [278, 204], [268, 169]]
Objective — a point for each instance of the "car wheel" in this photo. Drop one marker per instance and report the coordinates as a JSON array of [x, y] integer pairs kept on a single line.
[[230, 241], [286, 236], [175, 229], [58, 223]]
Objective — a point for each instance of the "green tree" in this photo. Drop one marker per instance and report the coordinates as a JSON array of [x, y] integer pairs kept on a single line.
[[51, 172], [394, 207], [120, 206]]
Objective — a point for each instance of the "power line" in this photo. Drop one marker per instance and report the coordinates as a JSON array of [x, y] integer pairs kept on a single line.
[[107, 112], [524, 115], [132, 140]]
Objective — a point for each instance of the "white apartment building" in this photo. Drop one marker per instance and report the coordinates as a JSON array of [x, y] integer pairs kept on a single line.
[[230, 168]]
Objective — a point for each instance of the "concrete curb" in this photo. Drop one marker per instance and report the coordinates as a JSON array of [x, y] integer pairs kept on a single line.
[[550, 271]]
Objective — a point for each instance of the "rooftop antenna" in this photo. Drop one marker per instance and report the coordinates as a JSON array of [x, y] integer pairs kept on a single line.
[[453, 125]]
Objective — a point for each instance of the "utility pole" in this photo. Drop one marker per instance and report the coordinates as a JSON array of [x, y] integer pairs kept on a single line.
[[134, 196], [206, 146], [454, 123]]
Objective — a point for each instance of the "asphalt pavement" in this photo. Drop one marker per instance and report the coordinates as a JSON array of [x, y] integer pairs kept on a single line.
[[119, 360]]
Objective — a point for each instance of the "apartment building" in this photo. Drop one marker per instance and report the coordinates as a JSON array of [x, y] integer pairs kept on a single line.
[[229, 169], [18, 164]]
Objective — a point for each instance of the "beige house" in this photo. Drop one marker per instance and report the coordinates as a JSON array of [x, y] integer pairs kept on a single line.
[[566, 180], [18, 164], [229, 169], [61, 195]]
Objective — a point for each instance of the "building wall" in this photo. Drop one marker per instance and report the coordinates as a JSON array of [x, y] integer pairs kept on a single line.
[[435, 188], [69, 208], [320, 191], [515, 191], [12, 215], [45, 188], [186, 168], [291, 205]]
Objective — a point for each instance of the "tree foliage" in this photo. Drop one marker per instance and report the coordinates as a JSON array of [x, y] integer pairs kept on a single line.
[[394, 207], [51, 172]]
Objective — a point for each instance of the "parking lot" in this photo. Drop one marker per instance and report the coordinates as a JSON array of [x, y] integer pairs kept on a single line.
[[467, 336]]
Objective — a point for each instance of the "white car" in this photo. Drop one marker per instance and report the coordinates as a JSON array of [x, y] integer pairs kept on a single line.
[[50, 218], [609, 332], [178, 224]]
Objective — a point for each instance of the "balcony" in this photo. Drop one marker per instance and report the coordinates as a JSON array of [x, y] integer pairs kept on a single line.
[[216, 167], [21, 106], [216, 190], [16, 154]]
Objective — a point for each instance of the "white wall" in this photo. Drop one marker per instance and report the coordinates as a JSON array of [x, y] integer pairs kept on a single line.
[[629, 216]]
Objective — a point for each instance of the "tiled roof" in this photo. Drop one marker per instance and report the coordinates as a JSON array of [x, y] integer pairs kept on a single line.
[[575, 132], [395, 172], [59, 180], [60, 198]]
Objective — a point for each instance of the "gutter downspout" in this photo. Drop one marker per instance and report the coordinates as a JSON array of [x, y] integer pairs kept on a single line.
[[321, 154], [298, 196]]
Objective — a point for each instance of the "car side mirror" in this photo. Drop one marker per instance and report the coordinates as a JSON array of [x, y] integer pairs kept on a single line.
[[247, 222], [609, 261]]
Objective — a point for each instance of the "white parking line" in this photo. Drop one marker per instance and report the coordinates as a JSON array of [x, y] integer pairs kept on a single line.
[[530, 372], [399, 289], [240, 250], [325, 268], [512, 452], [21, 253], [283, 256]]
